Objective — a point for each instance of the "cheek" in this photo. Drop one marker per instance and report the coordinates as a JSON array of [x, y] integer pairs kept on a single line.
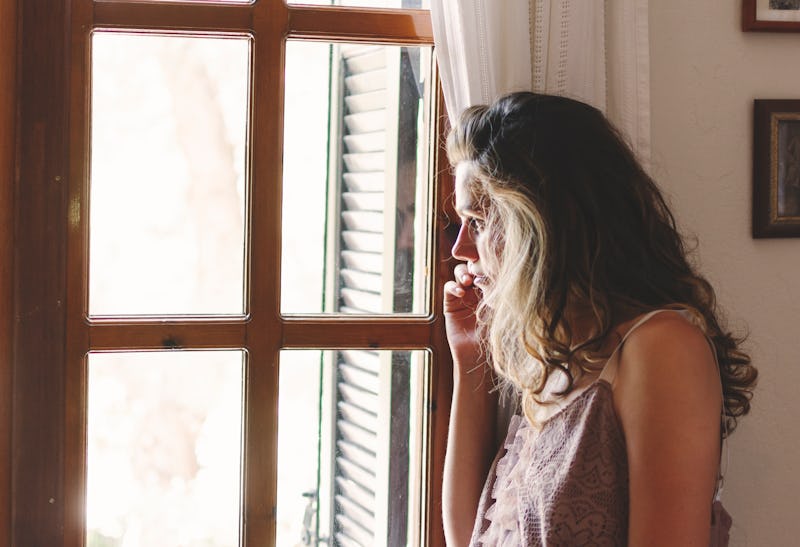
[[487, 253], [490, 248], [482, 247]]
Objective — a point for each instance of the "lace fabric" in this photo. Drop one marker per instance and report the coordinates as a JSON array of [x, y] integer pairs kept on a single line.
[[565, 483], [562, 484]]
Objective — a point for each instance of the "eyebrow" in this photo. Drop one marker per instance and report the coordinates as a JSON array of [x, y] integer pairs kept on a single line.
[[469, 210]]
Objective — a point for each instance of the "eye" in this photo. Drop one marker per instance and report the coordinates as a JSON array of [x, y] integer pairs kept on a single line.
[[476, 224]]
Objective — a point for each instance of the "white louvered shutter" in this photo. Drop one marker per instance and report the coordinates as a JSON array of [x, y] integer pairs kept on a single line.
[[370, 272]]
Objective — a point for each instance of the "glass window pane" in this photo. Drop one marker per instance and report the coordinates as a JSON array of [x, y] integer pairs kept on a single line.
[[164, 448], [355, 179], [169, 118], [351, 447]]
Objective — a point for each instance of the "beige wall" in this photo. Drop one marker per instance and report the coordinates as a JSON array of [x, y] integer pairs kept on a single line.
[[705, 73]]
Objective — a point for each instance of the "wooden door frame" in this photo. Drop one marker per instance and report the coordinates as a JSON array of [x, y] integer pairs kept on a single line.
[[8, 95], [40, 204]]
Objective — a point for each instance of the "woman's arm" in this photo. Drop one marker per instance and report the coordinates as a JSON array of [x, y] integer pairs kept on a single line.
[[668, 396], [471, 437]]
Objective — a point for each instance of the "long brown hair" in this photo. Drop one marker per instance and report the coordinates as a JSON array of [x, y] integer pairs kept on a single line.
[[575, 221]]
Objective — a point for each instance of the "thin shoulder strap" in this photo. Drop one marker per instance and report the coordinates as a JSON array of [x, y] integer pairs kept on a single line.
[[609, 372], [724, 449]]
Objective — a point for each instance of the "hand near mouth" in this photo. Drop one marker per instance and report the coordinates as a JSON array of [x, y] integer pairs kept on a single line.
[[461, 299]]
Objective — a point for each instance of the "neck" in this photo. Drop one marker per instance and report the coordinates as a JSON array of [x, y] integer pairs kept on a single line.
[[584, 325]]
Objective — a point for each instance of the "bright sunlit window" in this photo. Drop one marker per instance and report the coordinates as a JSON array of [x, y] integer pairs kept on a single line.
[[168, 238]]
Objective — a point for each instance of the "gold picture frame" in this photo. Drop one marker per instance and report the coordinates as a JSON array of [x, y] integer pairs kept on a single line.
[[776, 168]]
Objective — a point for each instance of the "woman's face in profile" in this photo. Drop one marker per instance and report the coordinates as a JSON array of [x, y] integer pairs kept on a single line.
[[471, 243]]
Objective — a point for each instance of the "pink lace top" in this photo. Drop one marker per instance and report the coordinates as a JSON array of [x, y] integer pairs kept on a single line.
[[565, 483]]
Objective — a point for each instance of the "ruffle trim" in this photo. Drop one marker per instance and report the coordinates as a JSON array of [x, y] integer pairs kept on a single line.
[[503, 529]]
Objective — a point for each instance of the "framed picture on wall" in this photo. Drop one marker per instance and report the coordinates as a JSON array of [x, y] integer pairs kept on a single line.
[[776, 168], [771, 15]]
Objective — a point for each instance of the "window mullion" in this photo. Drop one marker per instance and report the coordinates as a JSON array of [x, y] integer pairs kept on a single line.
[[166, 335], [347, 332], [264, 328], [375, 26], [197, 17]]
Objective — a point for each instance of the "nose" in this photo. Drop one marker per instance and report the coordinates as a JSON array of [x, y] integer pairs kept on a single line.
[[464, 248]]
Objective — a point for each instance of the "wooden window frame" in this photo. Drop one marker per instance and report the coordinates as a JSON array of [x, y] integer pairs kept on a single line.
[[42, 420]]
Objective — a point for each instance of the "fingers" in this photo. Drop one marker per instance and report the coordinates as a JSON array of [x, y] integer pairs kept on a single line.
[[462, 275], [454, 289], [462, 280], [460, 293]]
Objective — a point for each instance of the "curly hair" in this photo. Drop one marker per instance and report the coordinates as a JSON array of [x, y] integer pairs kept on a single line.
[[574, 221]]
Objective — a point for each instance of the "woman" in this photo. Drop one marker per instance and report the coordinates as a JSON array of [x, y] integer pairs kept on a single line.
[[569, 250]]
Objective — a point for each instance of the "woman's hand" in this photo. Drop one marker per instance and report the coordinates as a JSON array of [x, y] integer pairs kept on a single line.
[[461, 299]]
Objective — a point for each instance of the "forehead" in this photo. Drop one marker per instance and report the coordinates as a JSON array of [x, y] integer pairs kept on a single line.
[[465, 195]]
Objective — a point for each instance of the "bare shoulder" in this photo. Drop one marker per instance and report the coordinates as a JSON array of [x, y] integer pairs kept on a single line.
[[667, 390], [668, 352]]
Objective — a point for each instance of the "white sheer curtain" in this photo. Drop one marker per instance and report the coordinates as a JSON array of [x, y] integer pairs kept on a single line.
[[596, 51]]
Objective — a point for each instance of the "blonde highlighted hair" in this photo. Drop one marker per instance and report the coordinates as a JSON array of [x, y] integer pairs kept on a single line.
[[575, 225]]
